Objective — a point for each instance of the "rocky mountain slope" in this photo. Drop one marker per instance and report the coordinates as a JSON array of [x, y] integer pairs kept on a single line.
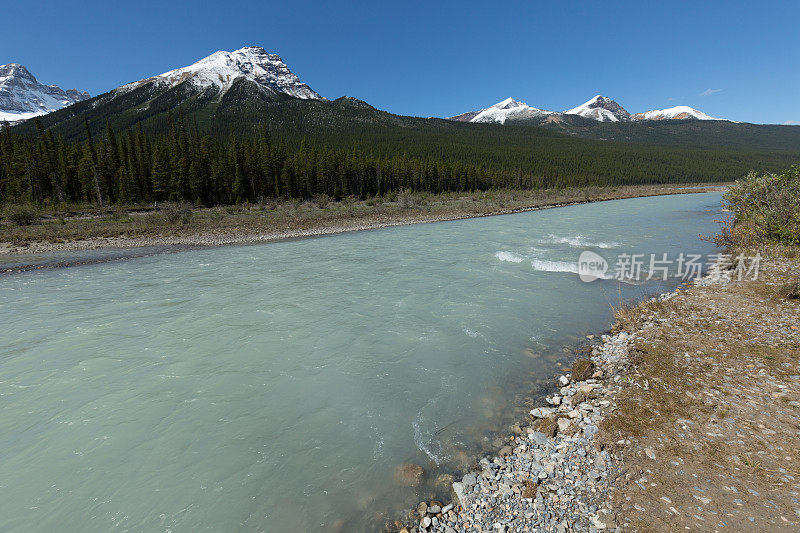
[[23, 97], [221, 70]]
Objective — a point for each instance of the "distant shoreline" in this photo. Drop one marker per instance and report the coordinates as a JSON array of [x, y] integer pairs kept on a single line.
[[251, 228]]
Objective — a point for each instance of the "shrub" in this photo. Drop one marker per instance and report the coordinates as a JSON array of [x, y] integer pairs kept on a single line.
[[405, 199], [176, 212], [322, 200], [22, 215], [763, 208]]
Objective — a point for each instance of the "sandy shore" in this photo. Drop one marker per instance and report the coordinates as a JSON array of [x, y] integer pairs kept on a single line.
[[259, 230]]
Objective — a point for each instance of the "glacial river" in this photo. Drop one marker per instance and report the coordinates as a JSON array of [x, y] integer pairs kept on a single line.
[[276, 387]]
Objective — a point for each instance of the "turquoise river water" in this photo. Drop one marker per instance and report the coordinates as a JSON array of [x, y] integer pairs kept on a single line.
[[276, 387]]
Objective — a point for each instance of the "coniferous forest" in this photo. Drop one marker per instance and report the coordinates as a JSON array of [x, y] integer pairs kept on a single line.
[[183, 162]]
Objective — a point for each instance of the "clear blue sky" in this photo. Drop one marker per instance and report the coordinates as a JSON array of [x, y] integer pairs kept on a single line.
[[738, 60]]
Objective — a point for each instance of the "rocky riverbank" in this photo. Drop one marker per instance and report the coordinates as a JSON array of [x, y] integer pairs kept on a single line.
[[686, 418], [552, 476]]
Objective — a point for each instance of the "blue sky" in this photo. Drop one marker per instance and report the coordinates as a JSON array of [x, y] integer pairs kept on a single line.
[[738, 60]]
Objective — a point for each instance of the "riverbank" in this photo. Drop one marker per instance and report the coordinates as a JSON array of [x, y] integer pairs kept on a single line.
[[685, 418], [144, 226]]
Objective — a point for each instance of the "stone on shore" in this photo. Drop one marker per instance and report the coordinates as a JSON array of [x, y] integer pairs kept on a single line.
[[542, 412]]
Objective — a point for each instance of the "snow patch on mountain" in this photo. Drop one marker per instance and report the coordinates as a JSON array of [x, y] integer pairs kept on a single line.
[[22, 97], [221, 69], [674, 113], [602, 109], [508, 109]]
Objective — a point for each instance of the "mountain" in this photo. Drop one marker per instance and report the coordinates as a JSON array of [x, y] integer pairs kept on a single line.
[[23, 97], [601, 109], [680, 112], [221, 70], [508, 109], [239, 92], [227, 90]]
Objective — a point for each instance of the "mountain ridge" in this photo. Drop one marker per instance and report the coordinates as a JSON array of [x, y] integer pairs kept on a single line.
[[22, 96], [599, 108]]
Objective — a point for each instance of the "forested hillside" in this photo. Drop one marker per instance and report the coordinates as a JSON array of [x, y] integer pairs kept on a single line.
[[155, 141], [205, 165]]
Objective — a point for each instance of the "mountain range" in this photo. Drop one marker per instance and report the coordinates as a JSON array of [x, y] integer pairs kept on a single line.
[[241, 91], [600, 108], [22, 96]]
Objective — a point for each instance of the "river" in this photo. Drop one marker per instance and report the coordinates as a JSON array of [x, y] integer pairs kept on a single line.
[[277, 386]]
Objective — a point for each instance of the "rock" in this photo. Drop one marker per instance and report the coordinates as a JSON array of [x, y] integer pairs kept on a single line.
[[554, 400], [563, 424], [447, 508], [434, 509], [542, 412], [409, 475], [582, 369], [539, 438], [422, 509], [505, 451], [564, 380], [469, 480], [425, 523], [650, 453], [460, 492]]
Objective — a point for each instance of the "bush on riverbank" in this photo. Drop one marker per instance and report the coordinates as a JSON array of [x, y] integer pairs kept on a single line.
[[765, 208], [177, 212], [21, 215]]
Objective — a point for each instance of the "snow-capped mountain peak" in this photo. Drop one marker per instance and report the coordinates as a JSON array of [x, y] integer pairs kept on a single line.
[[673, 113], [222, 68], [508, 109], [602, 109], [23, 97], [509, 103]]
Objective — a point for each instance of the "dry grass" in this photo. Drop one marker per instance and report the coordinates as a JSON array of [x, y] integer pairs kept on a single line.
[[76, 223], [713, 396]]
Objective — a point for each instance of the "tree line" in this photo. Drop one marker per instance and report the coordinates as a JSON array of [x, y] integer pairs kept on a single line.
[[183, 163]]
